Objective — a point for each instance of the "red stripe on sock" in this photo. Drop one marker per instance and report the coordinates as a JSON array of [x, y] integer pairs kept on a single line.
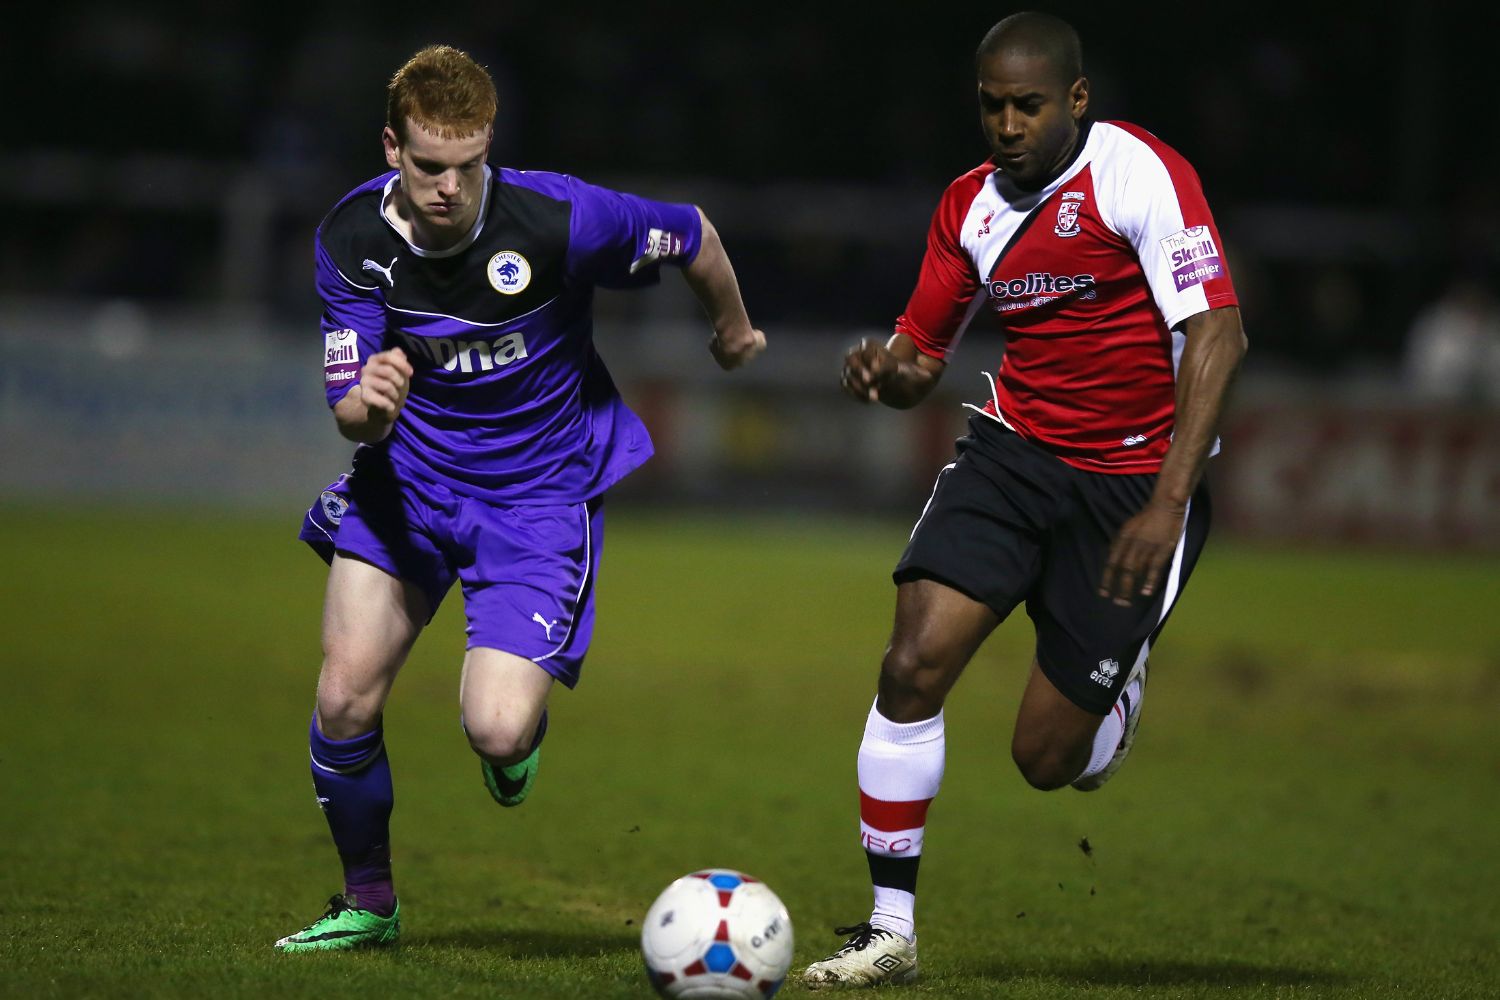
[[892, 816]]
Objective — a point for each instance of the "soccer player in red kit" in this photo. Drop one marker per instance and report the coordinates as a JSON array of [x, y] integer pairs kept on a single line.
[[1078, 487]]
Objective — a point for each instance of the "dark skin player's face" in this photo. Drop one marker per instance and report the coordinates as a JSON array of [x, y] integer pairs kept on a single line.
[[1029, 116]]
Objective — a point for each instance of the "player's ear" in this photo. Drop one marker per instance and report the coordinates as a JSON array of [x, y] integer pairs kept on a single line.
[[1078, 98], [392, 148]]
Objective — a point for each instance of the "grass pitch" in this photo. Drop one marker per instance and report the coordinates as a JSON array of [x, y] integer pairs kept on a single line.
[[1312, 807]]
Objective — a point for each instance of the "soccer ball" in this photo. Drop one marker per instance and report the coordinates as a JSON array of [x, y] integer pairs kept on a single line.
[[717, 933]]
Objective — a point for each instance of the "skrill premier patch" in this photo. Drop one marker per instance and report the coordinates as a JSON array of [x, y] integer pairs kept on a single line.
[[1193, 255], [340, 357]]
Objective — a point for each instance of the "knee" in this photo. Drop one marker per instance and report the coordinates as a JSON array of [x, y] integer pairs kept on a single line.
[[498, 740], [1047, 764], [346, 710], [912, 681]]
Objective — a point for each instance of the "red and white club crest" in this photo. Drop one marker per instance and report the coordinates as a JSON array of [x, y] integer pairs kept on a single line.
[[1067, 214]]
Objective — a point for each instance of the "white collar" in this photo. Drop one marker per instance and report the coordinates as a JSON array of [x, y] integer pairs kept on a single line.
[[403, 228]]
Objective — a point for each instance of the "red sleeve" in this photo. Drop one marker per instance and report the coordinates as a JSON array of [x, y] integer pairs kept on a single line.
[[947, 282]]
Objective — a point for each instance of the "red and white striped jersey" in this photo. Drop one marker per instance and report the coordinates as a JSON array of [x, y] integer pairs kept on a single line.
[[1087, 277]]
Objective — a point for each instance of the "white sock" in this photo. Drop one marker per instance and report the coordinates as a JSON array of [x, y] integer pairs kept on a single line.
[[895, 911], [1107, 738], [900, 772]]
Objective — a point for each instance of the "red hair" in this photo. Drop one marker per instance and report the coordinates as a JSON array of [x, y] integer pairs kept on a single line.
[[444, 91]]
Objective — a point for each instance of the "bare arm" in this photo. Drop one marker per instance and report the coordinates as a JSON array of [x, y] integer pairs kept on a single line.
[[369, 410], [894, 373], [1137, 559], [711, 277]]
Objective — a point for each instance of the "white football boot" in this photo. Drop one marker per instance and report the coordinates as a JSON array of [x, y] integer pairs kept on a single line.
[[871, 957], [1127, 738]]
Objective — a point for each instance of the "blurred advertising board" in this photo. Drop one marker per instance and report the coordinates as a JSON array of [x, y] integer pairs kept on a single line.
[[1325, 471], [112, 405]]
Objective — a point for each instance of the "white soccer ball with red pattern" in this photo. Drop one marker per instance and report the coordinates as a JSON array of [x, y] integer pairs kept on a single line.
[[717, 933]]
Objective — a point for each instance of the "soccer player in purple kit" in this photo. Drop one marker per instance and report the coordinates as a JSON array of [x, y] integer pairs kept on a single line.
[[459, 353]]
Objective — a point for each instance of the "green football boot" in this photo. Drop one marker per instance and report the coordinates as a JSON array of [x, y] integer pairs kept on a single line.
[[510, 785], [344, 927]]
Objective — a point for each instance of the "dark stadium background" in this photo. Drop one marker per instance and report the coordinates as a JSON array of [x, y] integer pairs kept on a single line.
[[1341, 151], [167, 166]]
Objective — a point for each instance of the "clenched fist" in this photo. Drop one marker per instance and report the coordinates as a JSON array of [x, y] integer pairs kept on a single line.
[[384, 382], [731, 350], [866, 368]]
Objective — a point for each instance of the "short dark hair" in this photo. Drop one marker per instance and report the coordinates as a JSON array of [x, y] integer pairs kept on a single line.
[[1036, 34]]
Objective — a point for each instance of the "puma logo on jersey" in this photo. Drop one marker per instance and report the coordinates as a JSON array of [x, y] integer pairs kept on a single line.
[[536, 616], [370, 265]]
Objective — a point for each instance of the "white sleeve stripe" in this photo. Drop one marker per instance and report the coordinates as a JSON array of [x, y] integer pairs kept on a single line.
[[1133, 178], [351, 282], [975, 305]]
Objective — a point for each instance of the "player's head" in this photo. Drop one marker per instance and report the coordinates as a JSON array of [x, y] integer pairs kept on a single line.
[[1032, 95], [440, 113]]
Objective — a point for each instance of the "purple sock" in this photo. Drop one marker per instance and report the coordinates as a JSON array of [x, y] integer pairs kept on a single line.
[[353, 782]]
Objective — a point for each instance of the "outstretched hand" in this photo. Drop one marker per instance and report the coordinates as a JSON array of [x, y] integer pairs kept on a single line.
[[1139, 555], [866, 368], [736, 348]]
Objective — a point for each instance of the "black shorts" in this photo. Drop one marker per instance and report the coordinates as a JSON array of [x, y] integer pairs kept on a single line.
[[1009, 522]]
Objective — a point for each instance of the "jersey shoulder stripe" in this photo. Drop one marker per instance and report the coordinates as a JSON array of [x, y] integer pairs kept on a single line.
[[541, 182], [1151, 195], [353, 231], [959, 198], [1175, 162], [1132, 167]]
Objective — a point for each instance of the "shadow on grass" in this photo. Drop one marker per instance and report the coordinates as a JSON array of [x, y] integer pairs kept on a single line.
[[1127, 972], [528, 943]]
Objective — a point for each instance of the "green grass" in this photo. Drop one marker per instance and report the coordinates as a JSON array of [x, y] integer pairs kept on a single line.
[[1313, 807]]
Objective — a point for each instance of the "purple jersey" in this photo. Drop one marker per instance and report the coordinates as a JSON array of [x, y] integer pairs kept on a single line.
[[509, 402]]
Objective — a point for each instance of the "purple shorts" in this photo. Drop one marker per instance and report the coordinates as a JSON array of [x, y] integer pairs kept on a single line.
[[527, 572]]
